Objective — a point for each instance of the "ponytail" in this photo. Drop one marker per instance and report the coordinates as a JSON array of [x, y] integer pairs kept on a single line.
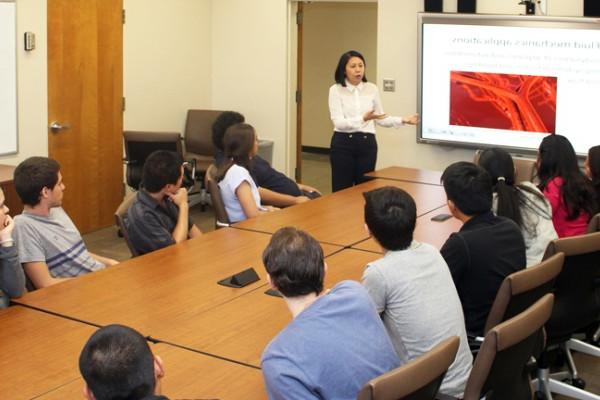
[[508, 201]]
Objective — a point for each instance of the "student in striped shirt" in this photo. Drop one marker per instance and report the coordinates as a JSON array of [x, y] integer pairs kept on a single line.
[[50, 247]]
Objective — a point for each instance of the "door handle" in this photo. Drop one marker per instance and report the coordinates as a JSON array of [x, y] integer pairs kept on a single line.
[[57, 126]]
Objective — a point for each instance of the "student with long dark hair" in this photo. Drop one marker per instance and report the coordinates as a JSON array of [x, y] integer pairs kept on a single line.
[[592, 169], [238, 189], [355, 108], [524, 203], [12, 277], [569, 192]]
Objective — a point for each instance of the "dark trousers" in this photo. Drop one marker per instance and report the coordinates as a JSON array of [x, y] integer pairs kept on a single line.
[[352, 155]]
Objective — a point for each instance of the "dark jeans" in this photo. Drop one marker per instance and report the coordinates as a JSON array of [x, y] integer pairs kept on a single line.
[[352, 155]]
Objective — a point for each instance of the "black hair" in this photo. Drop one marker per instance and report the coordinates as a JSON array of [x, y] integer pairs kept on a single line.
[[117, 363], [237, 145], [340, 71], [161, 168], [499, 165], [594, 165], [469, 187], [556, 158], [391, 214], [224, 121], [294, 261], [34, 174]]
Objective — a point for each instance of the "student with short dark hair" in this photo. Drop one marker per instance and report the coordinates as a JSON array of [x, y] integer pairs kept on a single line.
[[12, 278], [49, 245], [523, 203], [159, 216], [336, 342], [275, 188], [412, 288], [487, 248], [569, 192], [117, 363]]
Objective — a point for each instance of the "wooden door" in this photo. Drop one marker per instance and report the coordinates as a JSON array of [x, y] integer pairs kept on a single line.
[[85, 96]]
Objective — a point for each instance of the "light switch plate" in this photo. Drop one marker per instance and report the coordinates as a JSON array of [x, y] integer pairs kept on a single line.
[[389, 85]]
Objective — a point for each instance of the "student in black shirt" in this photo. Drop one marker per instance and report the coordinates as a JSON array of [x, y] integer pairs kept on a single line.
[[485, 250], [275, 188]]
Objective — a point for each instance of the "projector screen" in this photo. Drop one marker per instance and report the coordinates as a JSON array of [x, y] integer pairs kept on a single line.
[[508, 81], [8, 79]]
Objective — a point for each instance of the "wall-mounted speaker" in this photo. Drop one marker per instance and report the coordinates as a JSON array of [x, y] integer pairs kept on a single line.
[[591, 8], [466, 6], [434, 6]]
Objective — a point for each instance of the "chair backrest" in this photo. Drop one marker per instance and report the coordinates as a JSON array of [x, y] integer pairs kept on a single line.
[[420, 379], [499, 371], [139, 145], [577, 287], [221, 217], [120, 215], [594, 224], [525, 168], [522, 289], [198, 131]]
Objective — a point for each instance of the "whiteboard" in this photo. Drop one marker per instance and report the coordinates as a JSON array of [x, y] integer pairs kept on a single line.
[[8, 78]]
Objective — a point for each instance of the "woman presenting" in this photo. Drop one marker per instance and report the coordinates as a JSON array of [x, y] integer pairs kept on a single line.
[[355, 107]]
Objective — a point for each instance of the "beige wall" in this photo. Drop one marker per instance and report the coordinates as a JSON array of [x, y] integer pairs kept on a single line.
[[397, 49], [166, 62], [329, 30], [32, 83]]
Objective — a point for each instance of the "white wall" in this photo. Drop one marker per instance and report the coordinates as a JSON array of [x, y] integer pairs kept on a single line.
[[397, 51], [166, 62], [250, 66], [32, 82]]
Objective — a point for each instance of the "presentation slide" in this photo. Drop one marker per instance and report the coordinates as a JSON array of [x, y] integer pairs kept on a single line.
[[510, 85]]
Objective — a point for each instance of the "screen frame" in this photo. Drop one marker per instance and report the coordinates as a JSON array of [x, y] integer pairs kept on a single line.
[[486, 20]]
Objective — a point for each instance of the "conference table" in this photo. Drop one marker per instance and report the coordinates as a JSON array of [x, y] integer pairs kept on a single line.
[[338, 218], [212, 336], [408, 174]]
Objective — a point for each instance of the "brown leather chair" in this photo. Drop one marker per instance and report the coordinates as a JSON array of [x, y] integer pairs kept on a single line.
[[420, 379], [577, 308], [500, 369], [525, 168], [221, 217], [198, 137], [594, 224], [120, 214]]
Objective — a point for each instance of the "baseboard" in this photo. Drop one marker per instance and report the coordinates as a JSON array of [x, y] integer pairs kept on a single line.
[[315, 150]]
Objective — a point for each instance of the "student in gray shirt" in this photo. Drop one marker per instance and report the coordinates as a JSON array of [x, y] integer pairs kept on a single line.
[[412, 288], [50, 246], [12, 279]]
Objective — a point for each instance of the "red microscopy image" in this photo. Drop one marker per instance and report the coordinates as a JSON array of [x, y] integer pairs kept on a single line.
[[503, 101]]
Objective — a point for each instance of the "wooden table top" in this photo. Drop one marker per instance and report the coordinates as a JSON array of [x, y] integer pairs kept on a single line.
[[160, 288], [6, 173], [191, 375], [40, 352], [338, 218], [426, 231], [408, 175], [240, 329]]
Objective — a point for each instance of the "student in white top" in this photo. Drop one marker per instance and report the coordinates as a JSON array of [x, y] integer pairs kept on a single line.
[[238, 189], [355, 107], [523, 203]]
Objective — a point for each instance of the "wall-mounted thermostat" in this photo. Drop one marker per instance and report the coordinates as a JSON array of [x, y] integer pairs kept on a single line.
[[389, 85], [29, 41]]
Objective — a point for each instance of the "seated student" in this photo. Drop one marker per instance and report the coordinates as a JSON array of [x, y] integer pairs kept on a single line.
[[12, 278], [523, 203], [412, 288], [592, 169], [50, 246], [159, 216], [238, 190], [336, 342], [486, 249], [274, 187], [569, 192], [117, 363]]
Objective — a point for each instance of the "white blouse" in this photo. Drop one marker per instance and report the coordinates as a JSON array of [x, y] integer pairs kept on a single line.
[[348, 105], [234, 177]]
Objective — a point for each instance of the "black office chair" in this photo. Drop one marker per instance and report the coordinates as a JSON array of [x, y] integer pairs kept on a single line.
[[577, 307]]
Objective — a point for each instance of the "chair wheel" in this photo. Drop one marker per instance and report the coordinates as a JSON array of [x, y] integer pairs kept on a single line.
[[578, 383], [539, 396]]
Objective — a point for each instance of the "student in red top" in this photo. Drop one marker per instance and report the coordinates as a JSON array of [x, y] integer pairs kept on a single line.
[[569, 192]]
